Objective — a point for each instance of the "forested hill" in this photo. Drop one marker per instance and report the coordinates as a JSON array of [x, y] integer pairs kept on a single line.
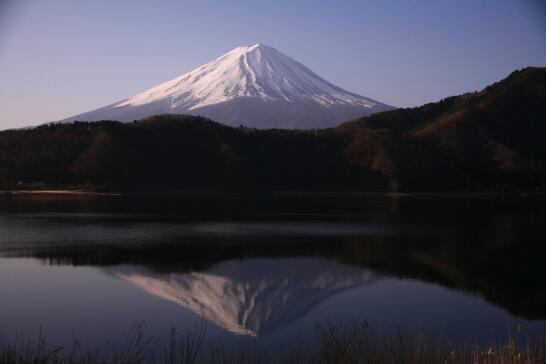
[[490, 138], [477, 141]]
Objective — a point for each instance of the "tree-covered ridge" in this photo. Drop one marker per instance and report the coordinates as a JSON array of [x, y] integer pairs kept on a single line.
[[489, 138], [475, 141], [171, 151]]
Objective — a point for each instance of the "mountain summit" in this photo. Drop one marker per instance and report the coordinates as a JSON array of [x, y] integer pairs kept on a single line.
[[256, 86]]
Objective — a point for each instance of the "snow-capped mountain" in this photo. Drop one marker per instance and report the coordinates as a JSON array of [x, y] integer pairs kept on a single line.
[[251, 297], [255, 86]]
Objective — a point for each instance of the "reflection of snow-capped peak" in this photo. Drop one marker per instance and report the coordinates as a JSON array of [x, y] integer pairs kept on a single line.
[[253, 296]]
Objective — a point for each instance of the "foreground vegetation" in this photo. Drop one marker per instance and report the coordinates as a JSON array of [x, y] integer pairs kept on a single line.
[[334, 343], [492, 139]]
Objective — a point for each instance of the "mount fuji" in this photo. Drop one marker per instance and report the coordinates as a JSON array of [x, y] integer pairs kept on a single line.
[[255, 86]]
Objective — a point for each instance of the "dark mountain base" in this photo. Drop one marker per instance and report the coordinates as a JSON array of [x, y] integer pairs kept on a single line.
[[248, 111], [493, 139], [245, 111]]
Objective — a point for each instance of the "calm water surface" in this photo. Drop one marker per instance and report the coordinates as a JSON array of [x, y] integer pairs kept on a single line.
[[265, 269]]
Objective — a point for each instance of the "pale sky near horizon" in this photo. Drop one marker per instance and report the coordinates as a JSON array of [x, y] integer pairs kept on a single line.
[[63, 57]]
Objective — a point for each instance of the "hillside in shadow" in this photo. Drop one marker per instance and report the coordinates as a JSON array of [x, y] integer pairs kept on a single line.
[[492, 139]]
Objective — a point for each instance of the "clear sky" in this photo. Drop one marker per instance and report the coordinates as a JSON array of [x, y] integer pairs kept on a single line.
[[63, 57]]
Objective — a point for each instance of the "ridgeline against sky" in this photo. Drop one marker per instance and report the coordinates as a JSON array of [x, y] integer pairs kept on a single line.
[[478, 141], [58, 59]]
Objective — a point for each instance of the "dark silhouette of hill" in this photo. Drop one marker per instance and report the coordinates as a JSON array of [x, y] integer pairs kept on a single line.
[[488, 138], [477, 141]]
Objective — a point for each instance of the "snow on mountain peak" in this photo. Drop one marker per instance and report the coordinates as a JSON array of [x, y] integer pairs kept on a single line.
[[256, 71], [253, 85]]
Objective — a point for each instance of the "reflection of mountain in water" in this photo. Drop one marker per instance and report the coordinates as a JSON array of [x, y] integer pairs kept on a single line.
[[252, 297]]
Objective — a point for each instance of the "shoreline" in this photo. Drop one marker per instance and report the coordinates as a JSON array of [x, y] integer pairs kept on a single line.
[[388, 194], [54, 191]]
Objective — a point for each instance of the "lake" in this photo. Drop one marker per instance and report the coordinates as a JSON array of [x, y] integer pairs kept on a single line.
[[262, 269]]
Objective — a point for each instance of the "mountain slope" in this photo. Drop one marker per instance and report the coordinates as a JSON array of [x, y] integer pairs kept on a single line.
[[478, 141], [497, 135], [255, 86]]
